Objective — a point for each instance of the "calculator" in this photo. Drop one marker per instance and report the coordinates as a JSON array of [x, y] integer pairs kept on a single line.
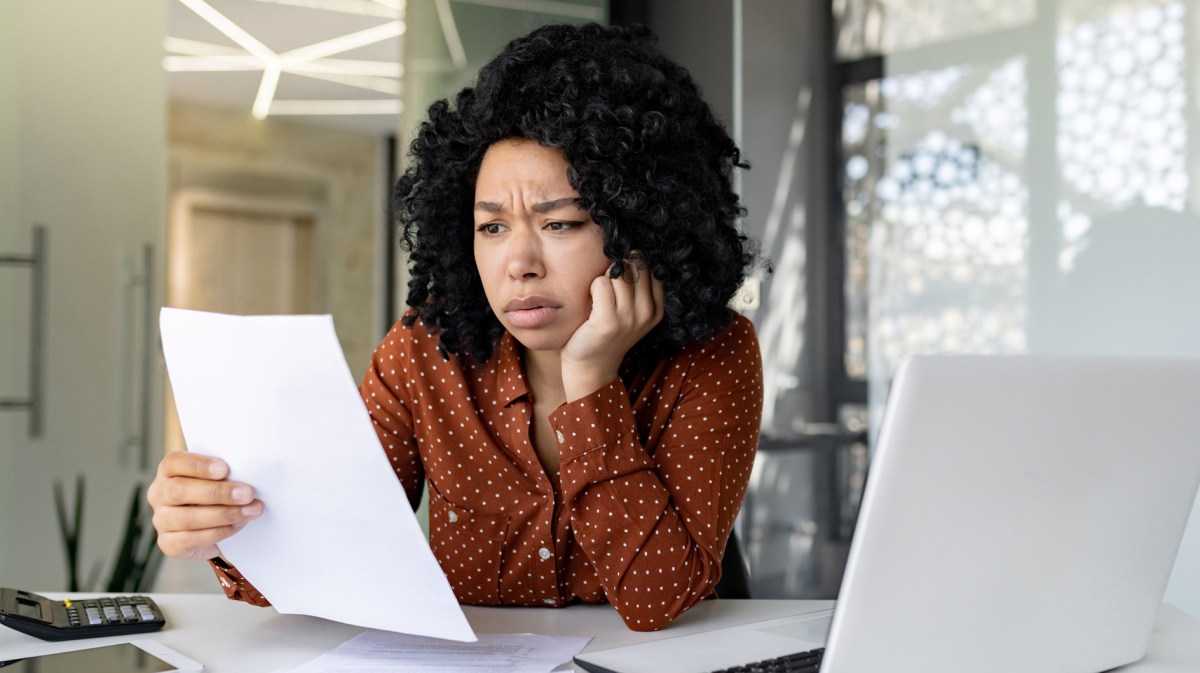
[[74, 618]]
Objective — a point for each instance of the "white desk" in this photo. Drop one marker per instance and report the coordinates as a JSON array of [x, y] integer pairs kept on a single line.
[[229, 637]]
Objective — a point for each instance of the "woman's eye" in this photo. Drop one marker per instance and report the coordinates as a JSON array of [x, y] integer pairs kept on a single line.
[[562, 226], [489, 228]]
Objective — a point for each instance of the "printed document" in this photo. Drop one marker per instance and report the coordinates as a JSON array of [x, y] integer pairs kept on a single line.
[[375, 651], [274, 398]]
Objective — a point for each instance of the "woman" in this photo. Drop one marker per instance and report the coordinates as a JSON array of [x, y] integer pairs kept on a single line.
[[568, 379]]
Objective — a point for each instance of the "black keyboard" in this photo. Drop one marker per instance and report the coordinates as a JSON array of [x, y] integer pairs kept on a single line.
[[801, 662]]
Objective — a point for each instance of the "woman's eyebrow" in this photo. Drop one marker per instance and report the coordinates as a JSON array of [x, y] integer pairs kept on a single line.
[[543, 207], [551, 206]]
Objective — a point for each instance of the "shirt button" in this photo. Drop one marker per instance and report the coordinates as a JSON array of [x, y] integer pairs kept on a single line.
[[544, 553], [559, 434], [549, 601], [453, 516]]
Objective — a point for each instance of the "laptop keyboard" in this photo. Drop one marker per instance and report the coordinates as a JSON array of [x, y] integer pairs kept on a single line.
[[802, 662]]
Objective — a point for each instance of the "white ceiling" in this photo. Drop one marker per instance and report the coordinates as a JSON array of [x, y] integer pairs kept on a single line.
[[221, 52], [224, 63]]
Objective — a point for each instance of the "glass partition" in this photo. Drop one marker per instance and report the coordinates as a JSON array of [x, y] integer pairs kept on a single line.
[[1036, 192]]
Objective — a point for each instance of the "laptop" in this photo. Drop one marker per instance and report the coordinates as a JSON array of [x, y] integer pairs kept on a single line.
[[1022, 514]]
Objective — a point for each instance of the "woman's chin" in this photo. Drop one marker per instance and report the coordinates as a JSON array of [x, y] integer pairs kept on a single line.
[[539, 341], [549, 338], [548, 335]]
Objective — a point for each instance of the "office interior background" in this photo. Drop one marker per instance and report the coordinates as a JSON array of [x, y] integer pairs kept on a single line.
[[980, 176]]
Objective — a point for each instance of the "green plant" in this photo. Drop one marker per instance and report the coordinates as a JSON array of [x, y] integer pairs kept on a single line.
[[137, 559], [70, 529]]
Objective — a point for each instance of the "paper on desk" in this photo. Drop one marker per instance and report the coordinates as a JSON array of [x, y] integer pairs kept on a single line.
[[378, 651], [274, 398]]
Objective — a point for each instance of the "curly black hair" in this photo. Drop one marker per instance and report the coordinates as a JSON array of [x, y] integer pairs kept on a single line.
[[651, 163]]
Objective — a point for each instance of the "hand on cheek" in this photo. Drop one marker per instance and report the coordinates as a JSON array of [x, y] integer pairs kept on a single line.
[[624, 310]]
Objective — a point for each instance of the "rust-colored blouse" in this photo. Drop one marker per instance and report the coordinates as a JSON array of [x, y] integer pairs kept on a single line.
[[652, 472]]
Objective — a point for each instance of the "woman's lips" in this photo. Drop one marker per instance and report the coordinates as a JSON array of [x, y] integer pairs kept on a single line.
[[531, 317], [530, 311]]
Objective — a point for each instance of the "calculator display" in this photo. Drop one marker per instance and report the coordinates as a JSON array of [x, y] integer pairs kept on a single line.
[[27, 609]]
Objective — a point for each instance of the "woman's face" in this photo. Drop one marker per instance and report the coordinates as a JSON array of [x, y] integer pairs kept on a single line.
[[536, 251]]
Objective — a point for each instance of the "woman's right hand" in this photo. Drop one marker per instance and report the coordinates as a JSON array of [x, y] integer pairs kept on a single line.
[[195, 507]]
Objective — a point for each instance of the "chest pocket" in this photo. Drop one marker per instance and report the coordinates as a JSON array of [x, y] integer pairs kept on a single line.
[[468, 544]]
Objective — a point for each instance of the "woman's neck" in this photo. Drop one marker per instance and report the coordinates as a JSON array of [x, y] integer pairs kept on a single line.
[[544, 370]]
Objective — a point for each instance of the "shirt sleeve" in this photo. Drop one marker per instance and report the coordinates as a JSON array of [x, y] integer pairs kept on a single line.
[[385, 390], [235, 586], [655, 527]]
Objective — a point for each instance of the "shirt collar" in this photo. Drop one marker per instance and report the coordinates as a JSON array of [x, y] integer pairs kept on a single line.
[[511, 384]]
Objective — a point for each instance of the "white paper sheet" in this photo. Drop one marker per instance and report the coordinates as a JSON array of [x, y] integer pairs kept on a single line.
[[274, 398], [376, 652]]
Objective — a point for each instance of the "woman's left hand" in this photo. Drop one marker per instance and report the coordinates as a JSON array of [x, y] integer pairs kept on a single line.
[[624, 310]]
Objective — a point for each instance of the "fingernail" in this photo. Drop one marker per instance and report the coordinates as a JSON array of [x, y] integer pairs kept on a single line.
[[241, 494], [252, 510], [216, 469]]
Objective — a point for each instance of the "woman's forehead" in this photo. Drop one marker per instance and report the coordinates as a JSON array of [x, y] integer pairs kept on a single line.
[[538, 172]]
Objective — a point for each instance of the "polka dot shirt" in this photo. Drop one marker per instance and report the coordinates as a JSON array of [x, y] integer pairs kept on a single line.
[[652, 471]]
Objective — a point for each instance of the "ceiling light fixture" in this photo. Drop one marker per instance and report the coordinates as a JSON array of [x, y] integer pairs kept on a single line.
[[365, 82], [308, 61], [556, 7], [178, 45], [337, 107], [211, 63], [385, 9], [266, 91], [193, 55], [450, 33], [338, 45], [230, 29]]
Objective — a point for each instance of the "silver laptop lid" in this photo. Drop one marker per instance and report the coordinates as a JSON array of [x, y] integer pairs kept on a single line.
[[1022, 514]]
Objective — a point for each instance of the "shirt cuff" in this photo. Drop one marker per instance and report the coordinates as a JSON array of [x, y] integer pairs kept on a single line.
[[235, 586], [597, 436]]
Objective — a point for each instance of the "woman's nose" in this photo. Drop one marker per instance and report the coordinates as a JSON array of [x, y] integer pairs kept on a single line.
[[525, 256]]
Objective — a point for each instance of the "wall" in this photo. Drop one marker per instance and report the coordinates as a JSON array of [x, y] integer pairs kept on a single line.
[[12, 239], [337, 172], [82, 127], [699, 34]]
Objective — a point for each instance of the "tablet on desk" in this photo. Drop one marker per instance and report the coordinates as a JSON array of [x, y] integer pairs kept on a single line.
[[139, 656]]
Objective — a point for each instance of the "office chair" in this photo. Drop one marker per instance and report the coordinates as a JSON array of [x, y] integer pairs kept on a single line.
[[735, 576]]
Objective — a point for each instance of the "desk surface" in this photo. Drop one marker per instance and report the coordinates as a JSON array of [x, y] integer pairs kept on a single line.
[[230, 637]]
